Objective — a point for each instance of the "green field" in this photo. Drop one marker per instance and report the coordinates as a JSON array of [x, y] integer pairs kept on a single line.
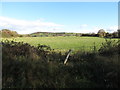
[[63, 43]]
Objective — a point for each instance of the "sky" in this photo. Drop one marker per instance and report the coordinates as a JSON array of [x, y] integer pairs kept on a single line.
[[78, 17]]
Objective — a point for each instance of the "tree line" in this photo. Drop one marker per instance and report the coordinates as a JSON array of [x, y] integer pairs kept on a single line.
[[100, 33]]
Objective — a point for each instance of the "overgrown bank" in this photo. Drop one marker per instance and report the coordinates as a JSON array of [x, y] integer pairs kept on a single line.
[[26, 66]]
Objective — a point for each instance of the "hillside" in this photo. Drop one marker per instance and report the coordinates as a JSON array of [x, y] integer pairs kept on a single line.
[[43, 34], [8, 33]]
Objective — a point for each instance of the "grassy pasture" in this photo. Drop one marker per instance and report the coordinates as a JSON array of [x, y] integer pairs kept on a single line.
[[61, 43]]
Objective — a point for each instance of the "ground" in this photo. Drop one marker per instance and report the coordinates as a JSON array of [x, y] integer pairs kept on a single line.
[[63, 43]]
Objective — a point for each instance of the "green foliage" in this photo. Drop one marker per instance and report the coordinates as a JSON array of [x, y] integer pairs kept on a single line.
[[101, 33], [110, 47], [20, 35]]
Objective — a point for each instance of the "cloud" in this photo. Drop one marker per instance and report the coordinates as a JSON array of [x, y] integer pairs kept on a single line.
[[85, 29], [83, 25], [95, 29], [112, 29], [25, 27]]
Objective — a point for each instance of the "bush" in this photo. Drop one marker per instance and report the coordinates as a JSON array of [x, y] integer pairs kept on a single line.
[[110, 47], [25, 66]]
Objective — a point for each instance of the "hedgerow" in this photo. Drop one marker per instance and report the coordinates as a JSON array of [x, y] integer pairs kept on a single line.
[[26, 66]]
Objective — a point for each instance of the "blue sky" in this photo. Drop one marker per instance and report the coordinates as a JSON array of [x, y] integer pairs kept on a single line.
[[83, 17]]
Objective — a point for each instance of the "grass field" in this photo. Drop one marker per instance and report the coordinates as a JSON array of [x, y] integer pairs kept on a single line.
[[63, 43]]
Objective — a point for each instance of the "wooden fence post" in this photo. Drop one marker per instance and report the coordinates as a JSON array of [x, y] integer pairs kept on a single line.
[[65, 61]]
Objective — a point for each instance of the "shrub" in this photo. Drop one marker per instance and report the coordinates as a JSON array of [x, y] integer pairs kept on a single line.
[[109, 47], [25, 66]]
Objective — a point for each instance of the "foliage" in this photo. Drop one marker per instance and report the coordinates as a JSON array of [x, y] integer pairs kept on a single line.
[[110, 47], [101, 33], [26, 66]]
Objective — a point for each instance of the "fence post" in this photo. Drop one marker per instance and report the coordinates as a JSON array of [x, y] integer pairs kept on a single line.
[[65, 61]]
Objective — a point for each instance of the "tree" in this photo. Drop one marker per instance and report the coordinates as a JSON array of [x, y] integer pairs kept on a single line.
[[101, 33], [118, 33], [115, 34]]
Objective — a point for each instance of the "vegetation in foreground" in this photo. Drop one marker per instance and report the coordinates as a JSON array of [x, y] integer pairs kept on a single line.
[[26, 66]]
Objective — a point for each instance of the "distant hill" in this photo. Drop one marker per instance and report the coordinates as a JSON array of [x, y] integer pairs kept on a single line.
[[8, 33], [46, 34]]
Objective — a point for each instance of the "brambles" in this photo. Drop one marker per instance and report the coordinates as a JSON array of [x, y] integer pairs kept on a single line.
[[109, 47], [26, 66]]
